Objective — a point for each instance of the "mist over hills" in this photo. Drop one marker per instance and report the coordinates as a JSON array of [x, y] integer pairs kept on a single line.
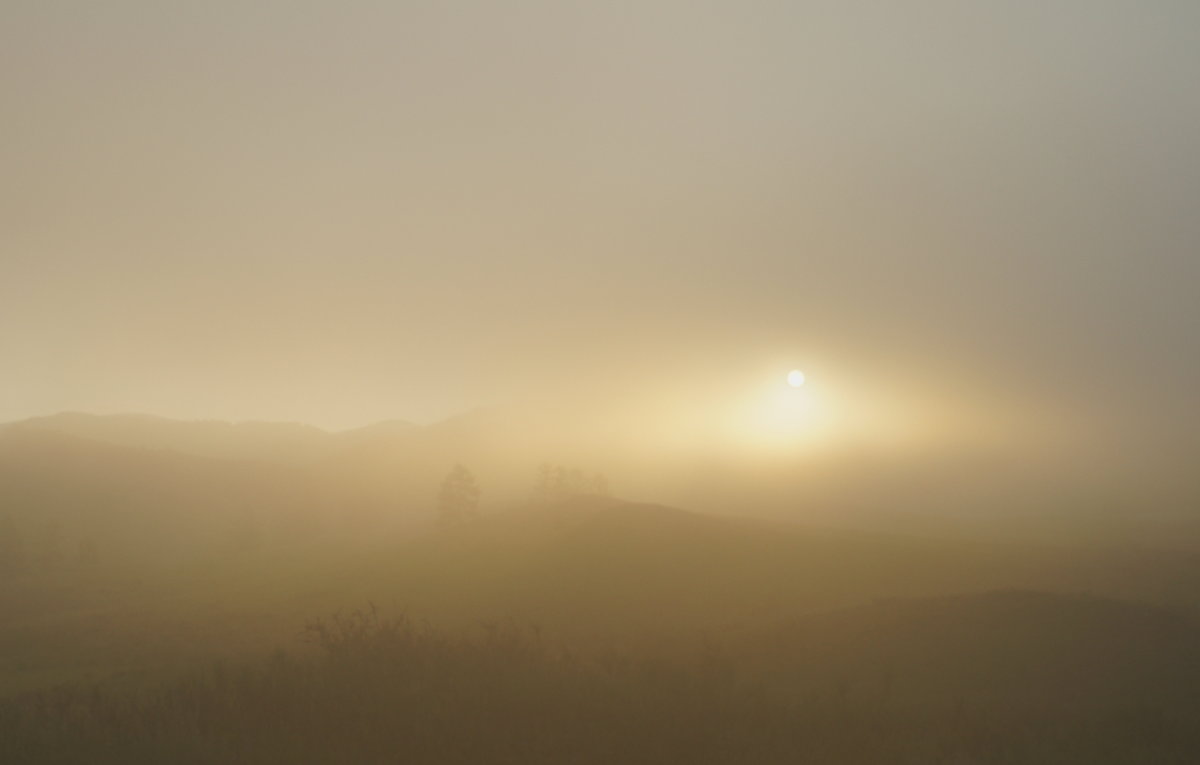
[[351, 516], [357, 523], [969, 493], [133, 548]]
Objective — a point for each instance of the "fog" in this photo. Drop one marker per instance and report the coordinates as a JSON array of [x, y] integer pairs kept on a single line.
[[434, 315], [346, 213]]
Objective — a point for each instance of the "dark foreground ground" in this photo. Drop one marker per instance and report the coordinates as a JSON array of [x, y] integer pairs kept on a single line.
[[1009, 677]]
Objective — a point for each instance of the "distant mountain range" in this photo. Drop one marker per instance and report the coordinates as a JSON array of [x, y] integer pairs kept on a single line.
[[280, 442]]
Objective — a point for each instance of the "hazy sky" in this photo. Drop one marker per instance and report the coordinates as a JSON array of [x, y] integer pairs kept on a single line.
[[351, 211]]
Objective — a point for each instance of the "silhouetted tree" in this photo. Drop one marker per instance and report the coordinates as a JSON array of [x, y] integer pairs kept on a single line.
[[458, 499]]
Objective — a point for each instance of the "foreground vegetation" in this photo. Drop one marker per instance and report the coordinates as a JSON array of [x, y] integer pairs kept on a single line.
[[389, 690]]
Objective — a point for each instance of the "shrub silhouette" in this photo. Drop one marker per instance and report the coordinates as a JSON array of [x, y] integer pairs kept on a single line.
[[390, 690]]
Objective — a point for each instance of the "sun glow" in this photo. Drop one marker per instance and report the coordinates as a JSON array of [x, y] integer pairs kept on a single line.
[[791, 412], [786, 412]]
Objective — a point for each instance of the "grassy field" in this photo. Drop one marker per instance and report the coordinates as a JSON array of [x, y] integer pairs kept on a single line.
[[883, 684]]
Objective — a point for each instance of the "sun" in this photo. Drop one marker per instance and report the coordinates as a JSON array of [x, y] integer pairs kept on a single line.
[[783, 413]]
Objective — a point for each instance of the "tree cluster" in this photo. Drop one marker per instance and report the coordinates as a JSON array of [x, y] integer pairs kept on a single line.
[[458, 498], [555, 483]]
